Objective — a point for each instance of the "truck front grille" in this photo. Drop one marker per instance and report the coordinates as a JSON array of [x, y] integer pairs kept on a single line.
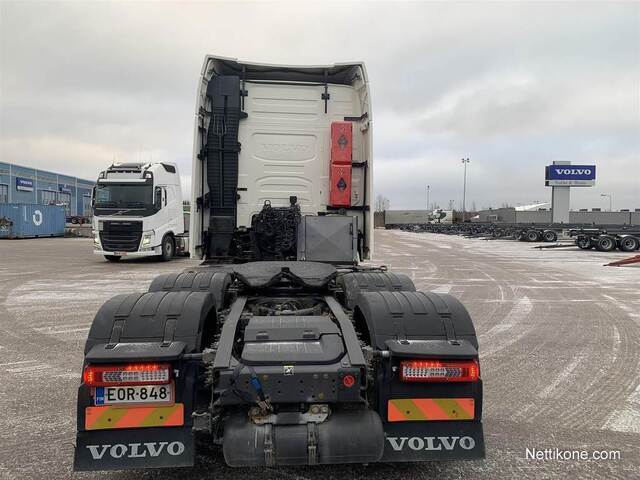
[[121, 236]]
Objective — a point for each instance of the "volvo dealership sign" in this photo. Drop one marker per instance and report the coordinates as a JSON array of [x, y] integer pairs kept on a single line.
[[24, 184], [570, 176]]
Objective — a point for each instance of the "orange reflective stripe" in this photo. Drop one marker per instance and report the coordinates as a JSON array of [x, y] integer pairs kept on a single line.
[[421, 409], [393, 413], [107, 417], [133, 416], [431, 409], [176, 417]]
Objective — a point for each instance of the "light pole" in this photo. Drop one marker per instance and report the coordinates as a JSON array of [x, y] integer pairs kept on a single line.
[[464, 188], [607, 195], [428, 187]]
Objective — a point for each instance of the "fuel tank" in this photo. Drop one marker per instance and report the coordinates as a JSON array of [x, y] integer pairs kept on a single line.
[[353, 436]]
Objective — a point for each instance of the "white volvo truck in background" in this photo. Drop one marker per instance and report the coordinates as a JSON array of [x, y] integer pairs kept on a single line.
[[137, 211]]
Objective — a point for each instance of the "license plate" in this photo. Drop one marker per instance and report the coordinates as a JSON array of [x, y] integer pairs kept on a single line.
[[120, 254], [134, 394]]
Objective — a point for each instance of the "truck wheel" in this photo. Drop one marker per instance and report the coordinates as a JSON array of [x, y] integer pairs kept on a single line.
[[549, 236], [629, 244], [216, 283], [74, 220], [112, 258], [605, 244], [168, 248], [533, 236], [353, 284]]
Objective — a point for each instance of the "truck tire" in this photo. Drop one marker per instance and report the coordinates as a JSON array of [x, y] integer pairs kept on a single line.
[[216, 283], [112, 258], [168, 248], [629, 243], [549, 236], [354, 283], [533, 236], [605, 243]]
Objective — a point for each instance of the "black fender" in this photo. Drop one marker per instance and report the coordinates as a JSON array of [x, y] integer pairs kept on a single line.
[[151, 326], [215, 282], [412, 316], [162, 319], [354, 283], [409, 325]]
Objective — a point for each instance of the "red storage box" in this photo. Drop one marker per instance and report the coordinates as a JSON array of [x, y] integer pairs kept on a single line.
[[340, 186], [341, 143]]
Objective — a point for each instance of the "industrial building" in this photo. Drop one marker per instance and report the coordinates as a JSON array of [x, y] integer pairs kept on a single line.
[[19, 184]]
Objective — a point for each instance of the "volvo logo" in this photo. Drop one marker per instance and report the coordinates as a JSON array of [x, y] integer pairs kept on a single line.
[[136, 450], [431, 443], [573, 171]]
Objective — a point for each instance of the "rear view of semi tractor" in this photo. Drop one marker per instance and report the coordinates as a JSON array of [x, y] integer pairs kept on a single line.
[[280, 348], [137, 212]]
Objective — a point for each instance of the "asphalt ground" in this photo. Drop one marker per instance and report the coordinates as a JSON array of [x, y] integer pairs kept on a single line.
[[559, 339]]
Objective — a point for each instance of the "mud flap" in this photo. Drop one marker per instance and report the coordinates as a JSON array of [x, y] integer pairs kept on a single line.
[[134, 448], [425, 441]]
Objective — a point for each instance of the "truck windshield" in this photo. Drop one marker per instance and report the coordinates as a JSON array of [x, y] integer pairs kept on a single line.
[[124, 196]]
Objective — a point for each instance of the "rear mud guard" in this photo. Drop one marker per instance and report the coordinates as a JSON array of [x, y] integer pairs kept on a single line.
[[134, 448], [426, 441]]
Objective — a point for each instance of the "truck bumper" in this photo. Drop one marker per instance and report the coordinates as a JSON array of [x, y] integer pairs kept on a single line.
[[144, 253], [143, 448]]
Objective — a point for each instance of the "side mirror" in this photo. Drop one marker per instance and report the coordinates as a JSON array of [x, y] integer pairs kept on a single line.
[[157, 198], [93, 197]]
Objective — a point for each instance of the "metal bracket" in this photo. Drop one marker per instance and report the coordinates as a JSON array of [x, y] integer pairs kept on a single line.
[[169, 332], [223, 356], [269, 458], [116, 333], [326, 95], [201, 422], [312, 443], [348, 332], [357, 119], [317, 413]]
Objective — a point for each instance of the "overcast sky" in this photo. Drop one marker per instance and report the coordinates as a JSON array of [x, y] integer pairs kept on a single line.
[[512, 86]]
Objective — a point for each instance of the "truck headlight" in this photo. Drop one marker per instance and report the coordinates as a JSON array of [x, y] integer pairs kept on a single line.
[[146, 240]]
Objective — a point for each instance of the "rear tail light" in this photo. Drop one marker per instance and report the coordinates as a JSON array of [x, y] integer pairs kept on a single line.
[[126, 374], [439, 370]]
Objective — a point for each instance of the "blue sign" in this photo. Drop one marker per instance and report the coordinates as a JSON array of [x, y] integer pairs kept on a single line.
[[570, 175], [24, 184]]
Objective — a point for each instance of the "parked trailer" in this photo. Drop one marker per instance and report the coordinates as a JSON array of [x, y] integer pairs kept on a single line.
[[23, 220], [607, 240], [622, 237], [530, 233]]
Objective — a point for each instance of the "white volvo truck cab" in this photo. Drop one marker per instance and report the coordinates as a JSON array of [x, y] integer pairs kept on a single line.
[[137, 211]]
